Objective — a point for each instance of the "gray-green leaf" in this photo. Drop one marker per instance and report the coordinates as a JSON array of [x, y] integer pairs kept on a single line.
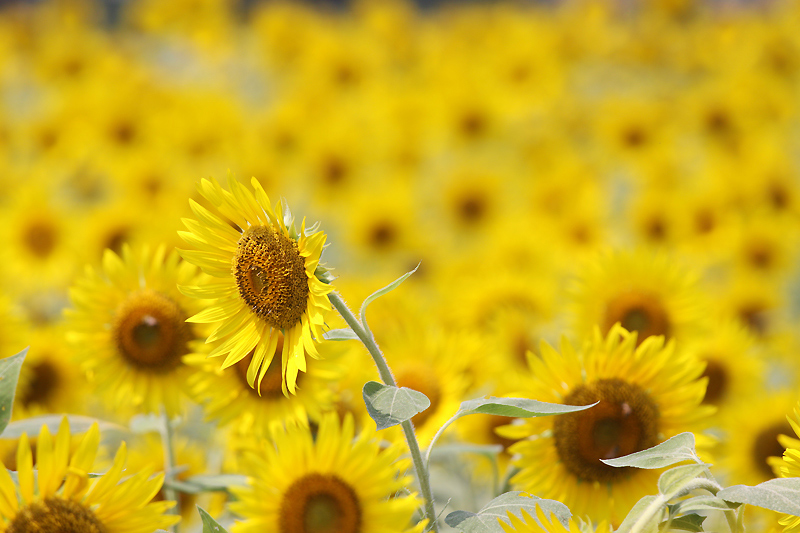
[[780, 494], [9, 374], [651, 523], [517, 407], [209, 524], [216, 482], [380, 292], [487, 520], [343, 334], [674, 450], [703, 502], [389, 406], [690, 522], [675, 480], [77, 424]]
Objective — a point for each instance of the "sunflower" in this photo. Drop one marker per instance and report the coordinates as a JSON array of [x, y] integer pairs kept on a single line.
[[129, 330], [266, 280], [789, 465], [331, 482], [644, 292], [646, 393], [227, 397], [540, 524], [64, 498]]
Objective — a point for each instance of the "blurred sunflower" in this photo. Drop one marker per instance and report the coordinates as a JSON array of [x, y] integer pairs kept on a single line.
[[646, 393], [267, 280], [129, 331], [528, 523], [644, 292], [227, 397], [335, 481], [62, 497]]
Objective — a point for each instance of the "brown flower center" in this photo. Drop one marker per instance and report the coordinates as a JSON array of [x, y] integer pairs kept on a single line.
[[54, 515], [640, 312], [40, 238], [718, 381], [270, 386], [150, 331], [625, 421], [318, 503], [271, 276], [766, 445], [45, 380]]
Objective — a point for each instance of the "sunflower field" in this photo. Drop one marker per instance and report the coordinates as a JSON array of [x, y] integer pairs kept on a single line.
[[389, 267]]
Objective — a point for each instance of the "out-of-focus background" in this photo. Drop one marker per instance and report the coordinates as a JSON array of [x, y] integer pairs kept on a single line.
[[552, 166]]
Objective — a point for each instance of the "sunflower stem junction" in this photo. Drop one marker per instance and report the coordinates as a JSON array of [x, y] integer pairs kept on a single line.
[[170, 493], [385, 373]]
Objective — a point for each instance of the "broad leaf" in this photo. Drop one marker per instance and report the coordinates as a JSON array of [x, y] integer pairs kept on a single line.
[[77, 424], [674, 450], [703, 502], [9, 374], [690, 522], [487, 520], [675, 480], [779, 494], [517, 407], [209, 524], [380, 292], [650, 524], [218, 482], [389, 406], [343, 334]]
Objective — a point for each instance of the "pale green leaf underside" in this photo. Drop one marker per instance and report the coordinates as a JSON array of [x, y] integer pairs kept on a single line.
[[389, 406], [780, 494], [690, 522], [674, 450], [517, 407], [9, 374], [673, 481], [651, 526], [487, 520], [343, 334], [209, 524]]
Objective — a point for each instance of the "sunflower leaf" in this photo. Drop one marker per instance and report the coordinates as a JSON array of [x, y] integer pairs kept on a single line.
[[690, 522], [703, 502], [9, 374], [219, 482], [675, 480], [488, 519], [389, 406], [779, 494], [343, 334], [77, 424], [642, 517], [674, 450], [209, 524], [380, 292], [480, 449], [517, 407]]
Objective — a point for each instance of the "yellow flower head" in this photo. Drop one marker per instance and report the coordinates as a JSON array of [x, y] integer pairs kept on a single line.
[[64, 498], [265, 282]]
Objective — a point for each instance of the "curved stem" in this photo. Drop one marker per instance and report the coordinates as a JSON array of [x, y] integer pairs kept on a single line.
[[385, 373], [169, 464], [437, 435]]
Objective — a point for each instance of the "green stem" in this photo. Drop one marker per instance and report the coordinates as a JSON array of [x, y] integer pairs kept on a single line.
[[170, 493], [437, 435], [386, 375], [740, 519]]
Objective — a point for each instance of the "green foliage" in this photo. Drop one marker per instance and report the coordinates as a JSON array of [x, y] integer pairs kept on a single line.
[[380, 292], [209, 524], [690, 522], [642, 517], [343, 334], [77, 424], [9, 375], [780, 494], [674, 450], [487, 520], [516, 407], [674, 481], [389, 405]]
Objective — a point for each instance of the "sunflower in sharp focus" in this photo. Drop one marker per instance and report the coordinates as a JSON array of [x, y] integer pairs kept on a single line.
[[789, 465], [644, 292], [528, 523], [329, 483], [647, 393], [129, 331], [62, 497], [266, 280]]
